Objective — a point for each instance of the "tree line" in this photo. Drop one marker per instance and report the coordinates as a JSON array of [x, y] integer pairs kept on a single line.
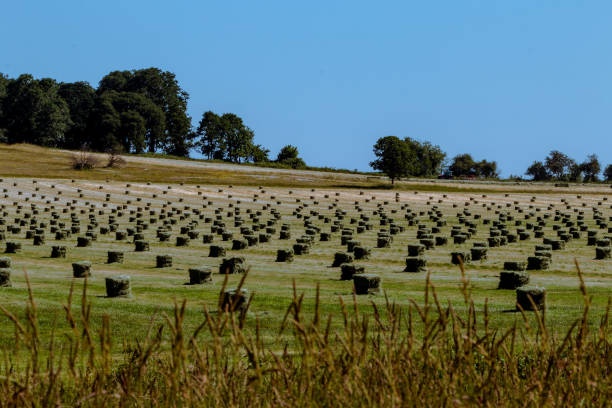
[[133, 111], [398, 158], [559, 166]]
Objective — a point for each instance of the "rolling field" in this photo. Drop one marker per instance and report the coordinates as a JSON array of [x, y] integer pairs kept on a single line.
[[99, 208], [155, 289]]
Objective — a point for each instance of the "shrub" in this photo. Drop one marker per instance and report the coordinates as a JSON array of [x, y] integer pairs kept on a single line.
[[84, 160]]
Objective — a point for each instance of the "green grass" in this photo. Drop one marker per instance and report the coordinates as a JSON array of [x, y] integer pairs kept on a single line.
[[156, 291]]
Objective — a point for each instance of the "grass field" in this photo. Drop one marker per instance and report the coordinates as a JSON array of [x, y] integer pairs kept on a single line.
[[145, 194]]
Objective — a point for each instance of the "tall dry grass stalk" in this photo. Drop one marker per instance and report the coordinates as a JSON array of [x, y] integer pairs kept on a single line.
[[376, 359]]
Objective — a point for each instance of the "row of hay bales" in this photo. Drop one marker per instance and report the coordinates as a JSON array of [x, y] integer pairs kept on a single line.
[[384, 237]]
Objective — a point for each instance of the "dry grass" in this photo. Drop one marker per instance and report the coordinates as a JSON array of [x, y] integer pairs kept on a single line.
[[375, 359]]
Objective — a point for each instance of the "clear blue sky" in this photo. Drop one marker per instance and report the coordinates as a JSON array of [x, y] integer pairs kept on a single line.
[[504, 80]]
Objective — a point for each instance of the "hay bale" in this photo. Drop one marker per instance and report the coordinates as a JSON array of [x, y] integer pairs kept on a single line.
[[285, 235], [5, 262], [416, 264], [114, 257], [528, 296], [182, 241], [301, 248], [348, 270], [251, 240], [141, 246], [557, 244], [366, 283], [58, 251], [340, 258], [361, 252], [239, 244], [460, 238], [512, 279], [351, 244], [216, 251], [284, 255], [83, 242], [207, 238], [515, 265], [39, 240], [5, 278], [200, 275], [479, 253], [383, 242], [118, 286], [81, 269], [13, 247], [416, 250], [235, 300], [233, 265], [163, 261], [603, 252], [325, 236], [460, 257], [537, 263]]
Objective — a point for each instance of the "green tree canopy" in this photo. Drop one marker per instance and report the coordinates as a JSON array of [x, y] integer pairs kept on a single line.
[[538, 171], [558, 164], [591, 168], [393, 157]]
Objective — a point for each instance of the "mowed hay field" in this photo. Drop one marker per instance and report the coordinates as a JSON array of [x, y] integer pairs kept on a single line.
[[436, 337], [45, 206]]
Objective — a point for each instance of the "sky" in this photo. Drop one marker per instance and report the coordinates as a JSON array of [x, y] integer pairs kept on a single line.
[[502, 80]]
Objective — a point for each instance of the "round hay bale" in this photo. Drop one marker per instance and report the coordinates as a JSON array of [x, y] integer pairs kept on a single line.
[[114, 257], [200, 275], [216, 251], [13, 247], [366, 283], [284, 255], [528, 296], [233, 265], [5, 262], [416, 264], [81, 269], [512, 279], [348, 270], [234, 300], [118, 286]]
